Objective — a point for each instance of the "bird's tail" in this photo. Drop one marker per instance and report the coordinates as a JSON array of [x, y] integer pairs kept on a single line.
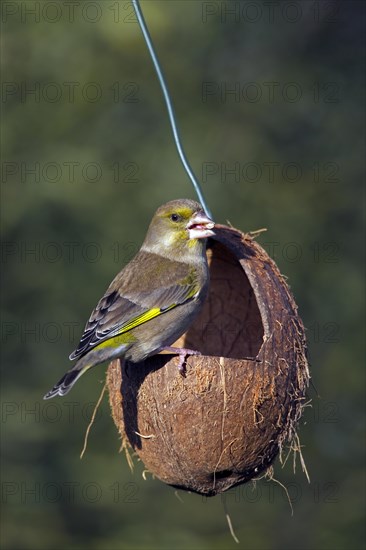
[[64, 385]]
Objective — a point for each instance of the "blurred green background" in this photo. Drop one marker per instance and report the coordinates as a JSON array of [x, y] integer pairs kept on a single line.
[[270, 102]]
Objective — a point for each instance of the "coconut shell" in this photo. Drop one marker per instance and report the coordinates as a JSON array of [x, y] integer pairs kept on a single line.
[[226, 421]]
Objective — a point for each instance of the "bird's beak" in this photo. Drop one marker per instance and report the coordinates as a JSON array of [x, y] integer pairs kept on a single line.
[[200, 226]]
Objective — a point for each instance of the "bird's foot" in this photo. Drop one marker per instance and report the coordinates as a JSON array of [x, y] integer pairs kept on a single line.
[[183, 354]]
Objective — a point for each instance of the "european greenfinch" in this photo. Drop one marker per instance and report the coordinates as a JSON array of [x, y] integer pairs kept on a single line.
[[155, 297]]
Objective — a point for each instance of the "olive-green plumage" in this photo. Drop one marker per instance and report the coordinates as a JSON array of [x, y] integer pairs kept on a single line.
[[155, 297]]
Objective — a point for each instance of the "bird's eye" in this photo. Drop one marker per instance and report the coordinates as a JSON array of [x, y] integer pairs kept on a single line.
[[175, 217]]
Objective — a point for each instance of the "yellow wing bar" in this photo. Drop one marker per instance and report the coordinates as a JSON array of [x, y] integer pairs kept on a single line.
[[147, 316], [121, 337]]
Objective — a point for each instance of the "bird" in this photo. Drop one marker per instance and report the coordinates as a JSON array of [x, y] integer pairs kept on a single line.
[[153, 300]]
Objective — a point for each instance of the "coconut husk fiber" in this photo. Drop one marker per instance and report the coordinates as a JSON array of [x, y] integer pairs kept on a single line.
[[241, 400]]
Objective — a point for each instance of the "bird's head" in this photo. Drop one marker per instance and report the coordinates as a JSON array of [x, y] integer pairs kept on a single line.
[[179, 226]]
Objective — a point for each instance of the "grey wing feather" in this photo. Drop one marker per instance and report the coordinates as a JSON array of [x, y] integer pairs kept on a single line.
[[111, 313], [114, 311]]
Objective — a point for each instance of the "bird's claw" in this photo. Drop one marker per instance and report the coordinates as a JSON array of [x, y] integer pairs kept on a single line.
[[183, 354], [183, 360]]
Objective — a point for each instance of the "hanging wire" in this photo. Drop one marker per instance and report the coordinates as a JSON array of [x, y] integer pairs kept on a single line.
[[169, 105]]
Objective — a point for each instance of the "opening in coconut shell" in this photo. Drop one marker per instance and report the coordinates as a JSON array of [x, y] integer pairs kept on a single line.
[[241, 400]]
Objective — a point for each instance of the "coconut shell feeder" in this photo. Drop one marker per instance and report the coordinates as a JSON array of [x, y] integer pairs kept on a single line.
[[239, 404]]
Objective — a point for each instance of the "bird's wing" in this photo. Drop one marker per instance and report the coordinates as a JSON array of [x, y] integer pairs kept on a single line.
[[124, 308]]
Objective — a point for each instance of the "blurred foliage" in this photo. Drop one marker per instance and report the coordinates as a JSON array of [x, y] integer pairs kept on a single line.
[[66, 234]]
